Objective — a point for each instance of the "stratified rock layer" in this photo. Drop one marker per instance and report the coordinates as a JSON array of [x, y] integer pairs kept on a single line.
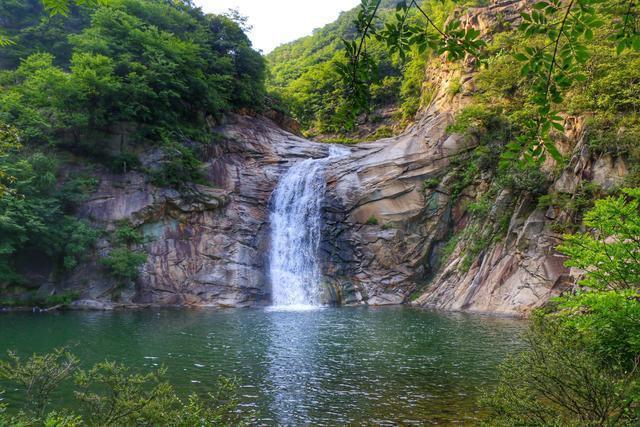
[[384, 229], [207, 246]]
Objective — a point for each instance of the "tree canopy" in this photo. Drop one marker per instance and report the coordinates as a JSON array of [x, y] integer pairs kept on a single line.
[[98, 80]]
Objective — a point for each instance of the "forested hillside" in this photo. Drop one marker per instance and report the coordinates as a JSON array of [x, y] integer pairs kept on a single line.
[[94, 88], [303, 75]]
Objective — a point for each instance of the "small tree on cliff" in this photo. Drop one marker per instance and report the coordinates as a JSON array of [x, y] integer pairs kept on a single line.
[[610, 252]]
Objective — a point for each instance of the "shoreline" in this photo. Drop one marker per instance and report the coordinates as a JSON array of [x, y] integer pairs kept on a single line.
[[94, 305]]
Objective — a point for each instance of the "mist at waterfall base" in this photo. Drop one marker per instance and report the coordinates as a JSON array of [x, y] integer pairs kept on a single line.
[[296, 229], [333, 366]]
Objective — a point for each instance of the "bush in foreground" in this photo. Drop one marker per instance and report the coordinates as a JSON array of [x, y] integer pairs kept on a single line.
[[108, 394]]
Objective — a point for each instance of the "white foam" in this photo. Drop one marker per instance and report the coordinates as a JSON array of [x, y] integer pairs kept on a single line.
[[294, 307]]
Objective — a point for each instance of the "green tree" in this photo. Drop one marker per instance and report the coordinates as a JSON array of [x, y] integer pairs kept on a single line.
[[558, 32], [35, 215], [32, 30], [581, 367], [9, 140], [62, 7], [610, 252], [144, 72]]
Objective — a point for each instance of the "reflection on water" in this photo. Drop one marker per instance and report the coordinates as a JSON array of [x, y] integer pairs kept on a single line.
[[325, 366], [294, 367]]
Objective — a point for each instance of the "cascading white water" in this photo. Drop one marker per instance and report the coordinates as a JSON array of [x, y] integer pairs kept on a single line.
[[296, 226]]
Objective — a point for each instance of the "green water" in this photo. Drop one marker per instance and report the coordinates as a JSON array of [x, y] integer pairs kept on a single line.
[[329, 366]]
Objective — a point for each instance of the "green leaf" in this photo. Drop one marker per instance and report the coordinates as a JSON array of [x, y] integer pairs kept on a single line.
[[55, 7], [588, 34], [5, 41], [553, 151]]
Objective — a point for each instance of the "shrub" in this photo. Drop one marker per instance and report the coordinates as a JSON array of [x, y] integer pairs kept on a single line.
[[39, 376], [179, 167], [454, 88], [124, 162], [611, 245], [79, 238], [430, 184], [474, 119], [372, 220], [607, 321], [124, 264], [559, 380], [36, 213], [109, 394], [480, 208], [581, 367], [524, 178], [383, 132], [463, 178], [125, 234]]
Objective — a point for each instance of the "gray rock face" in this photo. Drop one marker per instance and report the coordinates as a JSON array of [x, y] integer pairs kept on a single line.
[[382, 229], [212, 250], [380, 225], [209, 250]]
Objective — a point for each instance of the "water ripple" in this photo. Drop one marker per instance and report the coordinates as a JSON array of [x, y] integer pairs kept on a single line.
[[322, 367]]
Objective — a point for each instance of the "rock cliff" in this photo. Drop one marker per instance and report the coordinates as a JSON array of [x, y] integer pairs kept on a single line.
[[207, 246], [387, 225], [385, 228]]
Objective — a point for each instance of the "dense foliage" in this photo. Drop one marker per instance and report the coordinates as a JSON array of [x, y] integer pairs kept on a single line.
[[107, 394], [124, 261], [501, 109], [612, 245], [557, 34], [305, 75], [162, 66], [94, 82], [35, 218]]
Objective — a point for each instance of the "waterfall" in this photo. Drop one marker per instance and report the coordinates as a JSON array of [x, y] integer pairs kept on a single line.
[[296, 227]]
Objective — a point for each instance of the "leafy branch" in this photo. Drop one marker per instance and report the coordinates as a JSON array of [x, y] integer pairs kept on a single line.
[[568, 25], [360, 68], [5, 41], [558, 32], [399, 36], [58, 7]]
